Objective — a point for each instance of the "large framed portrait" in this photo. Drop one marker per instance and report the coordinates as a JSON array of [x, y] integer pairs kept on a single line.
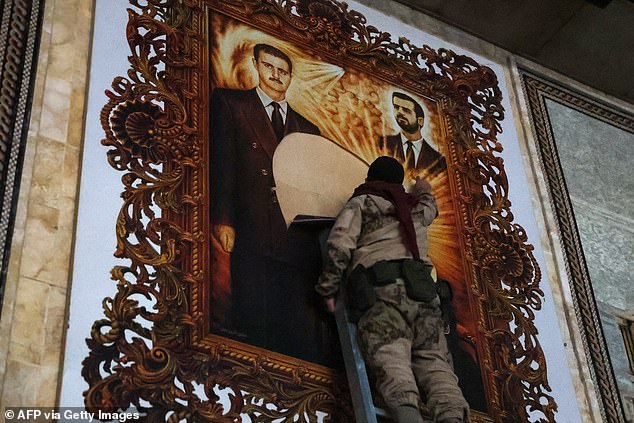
[[236, 328]]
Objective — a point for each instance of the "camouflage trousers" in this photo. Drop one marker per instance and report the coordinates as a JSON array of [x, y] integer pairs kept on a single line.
[[405, 350]]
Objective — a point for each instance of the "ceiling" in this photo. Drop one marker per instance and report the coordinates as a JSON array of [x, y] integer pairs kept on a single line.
[[591, 41]]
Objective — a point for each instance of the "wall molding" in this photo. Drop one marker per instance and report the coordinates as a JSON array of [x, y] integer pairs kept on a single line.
[[537, 90], [20, 30]]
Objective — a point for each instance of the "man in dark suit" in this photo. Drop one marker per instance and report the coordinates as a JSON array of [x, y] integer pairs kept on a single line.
[[246, 127], [408, 146]]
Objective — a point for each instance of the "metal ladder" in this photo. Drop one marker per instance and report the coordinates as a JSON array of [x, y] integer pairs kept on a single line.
[[364, 409]]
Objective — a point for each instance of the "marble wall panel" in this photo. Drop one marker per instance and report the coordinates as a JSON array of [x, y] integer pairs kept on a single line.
[[608, 245], [596, 160], [34, 311]]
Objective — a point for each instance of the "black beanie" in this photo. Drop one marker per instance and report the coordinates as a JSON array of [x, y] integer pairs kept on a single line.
[[386, 169]]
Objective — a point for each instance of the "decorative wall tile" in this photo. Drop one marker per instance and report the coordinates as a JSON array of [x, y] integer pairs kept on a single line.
[[608, 245], [47, 257], [56, 109], [69, 173], [47, 377], [47, 175], [30, 311], [54, 325], [22, 383]]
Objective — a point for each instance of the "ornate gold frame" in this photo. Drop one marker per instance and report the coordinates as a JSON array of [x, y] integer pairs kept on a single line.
[[538, 90], [156, 127]]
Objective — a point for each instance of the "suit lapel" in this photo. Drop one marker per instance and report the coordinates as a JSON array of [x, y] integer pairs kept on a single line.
[[256, 119], [295, 123], [427, 156], [291, 124]]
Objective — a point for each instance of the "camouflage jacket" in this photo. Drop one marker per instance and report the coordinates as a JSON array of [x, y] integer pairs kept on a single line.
[[366, 231]]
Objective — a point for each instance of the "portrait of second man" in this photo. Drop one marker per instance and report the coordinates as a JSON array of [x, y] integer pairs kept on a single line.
[[246, 127], [408, 146]]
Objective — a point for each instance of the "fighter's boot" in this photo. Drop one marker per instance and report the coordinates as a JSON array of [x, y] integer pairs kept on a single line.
[[407, 414]]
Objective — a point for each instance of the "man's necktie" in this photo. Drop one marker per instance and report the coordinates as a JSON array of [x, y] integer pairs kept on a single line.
[[277, 121], [410, 159]]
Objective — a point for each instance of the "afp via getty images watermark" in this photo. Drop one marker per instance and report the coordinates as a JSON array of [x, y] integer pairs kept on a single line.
[[66, 414]]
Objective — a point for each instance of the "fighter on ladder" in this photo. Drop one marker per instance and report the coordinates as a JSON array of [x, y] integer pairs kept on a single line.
[[379, 243]]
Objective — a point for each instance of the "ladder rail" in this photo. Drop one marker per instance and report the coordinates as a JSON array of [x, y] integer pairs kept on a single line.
[[356, 372], [361, 394]]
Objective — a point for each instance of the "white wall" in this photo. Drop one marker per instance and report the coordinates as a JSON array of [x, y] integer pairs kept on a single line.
[[100, 203]]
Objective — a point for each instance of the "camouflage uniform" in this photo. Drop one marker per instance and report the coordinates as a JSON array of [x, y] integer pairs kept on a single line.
[[402, 340]]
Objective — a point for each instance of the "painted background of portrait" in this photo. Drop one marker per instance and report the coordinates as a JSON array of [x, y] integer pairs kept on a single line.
[[353, 110]]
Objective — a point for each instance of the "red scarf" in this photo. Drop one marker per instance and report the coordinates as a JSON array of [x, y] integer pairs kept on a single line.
[[403, 203]]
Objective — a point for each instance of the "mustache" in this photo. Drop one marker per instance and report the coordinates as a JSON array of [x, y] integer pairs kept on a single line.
[[275, 80]]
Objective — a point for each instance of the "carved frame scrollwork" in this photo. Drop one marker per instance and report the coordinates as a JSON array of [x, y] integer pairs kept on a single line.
[[538, 90], [156, 125]]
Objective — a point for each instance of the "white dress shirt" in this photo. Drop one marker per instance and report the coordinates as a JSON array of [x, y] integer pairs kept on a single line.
[[266, 102], [416, 145]]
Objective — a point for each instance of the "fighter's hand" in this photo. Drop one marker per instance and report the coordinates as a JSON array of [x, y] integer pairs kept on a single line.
[[225, 235], [330, 304], [422, 186]]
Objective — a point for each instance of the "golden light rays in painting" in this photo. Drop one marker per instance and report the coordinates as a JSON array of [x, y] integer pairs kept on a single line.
[[445, 250], [231, 53], [353, 110]]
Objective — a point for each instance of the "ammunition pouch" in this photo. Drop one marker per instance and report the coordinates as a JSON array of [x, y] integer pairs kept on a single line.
[[360, 294], [386, 272], [419, 284]]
